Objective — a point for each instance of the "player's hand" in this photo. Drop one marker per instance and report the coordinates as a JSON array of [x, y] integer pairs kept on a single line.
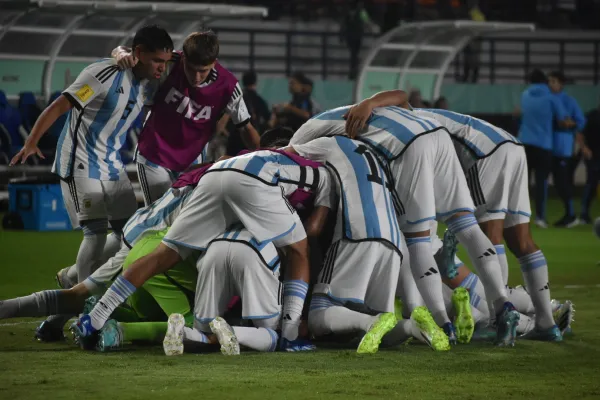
[[126, 60], [357, 117], [27, 151], [587, 153]]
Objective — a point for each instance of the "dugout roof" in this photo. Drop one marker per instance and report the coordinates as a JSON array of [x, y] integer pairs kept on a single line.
[[417, 55], [84, 31]]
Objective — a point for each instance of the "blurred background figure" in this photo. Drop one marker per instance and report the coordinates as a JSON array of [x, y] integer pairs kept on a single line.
[[259, 111], [352, 30], [540, 110], [591, 155], [415, 99], [565, 159], [441, 103], [300, 108]]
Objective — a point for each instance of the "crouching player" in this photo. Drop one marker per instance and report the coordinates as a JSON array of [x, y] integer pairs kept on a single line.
[[356, 287]]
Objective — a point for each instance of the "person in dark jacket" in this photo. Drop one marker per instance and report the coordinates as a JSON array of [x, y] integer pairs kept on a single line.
[[563, 149], [591, 153]]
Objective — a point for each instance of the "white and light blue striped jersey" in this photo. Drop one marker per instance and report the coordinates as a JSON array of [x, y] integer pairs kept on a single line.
[[157, 216], [479, 136], [105, 102], [265, 250], [390, 129], [273, 167], [367, 206]]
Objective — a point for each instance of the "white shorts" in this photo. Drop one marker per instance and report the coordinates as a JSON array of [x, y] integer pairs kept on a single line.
[[154, 181], [430, 182], [235, 269], [223, 198], [360, 273], [87, 199], [499, 186]]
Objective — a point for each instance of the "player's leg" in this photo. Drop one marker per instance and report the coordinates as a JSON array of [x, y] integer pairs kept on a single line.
[[154, 181], [45, 303], [589, 192], [262, 296], [455, 206], [407, 290], [533, 263], [269, 217], [414, 185]]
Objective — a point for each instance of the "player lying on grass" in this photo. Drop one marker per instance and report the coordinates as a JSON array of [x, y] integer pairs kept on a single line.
[[430, 185], [356, 287], [250, 189], [496, 169], [185, 106]]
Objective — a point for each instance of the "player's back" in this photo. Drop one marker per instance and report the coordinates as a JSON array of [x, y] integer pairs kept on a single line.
[[390, 129], [183, 118], [106, 101], [275, 167], [480, 137], [366, 205], [156, 217]]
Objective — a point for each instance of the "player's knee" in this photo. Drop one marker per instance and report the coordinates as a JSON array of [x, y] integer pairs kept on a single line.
[[519, 240], [94, 227], [424, 233], [493, 230]]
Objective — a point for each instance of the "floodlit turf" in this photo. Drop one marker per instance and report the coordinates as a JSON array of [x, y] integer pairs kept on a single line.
[[569, 370]]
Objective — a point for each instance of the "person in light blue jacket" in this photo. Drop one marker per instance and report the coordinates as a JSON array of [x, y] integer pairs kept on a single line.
[[563, 149], [540, 110]]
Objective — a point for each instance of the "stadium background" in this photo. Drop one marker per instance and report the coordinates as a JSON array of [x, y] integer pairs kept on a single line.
[[45, 44]]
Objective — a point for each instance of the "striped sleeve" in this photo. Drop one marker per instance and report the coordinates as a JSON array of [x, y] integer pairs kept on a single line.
[[91, 82], [236, 108]]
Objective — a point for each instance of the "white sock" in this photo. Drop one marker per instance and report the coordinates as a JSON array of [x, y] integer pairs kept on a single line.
[[259, 339], [294, 294], [338, 320], [193, 335], [484, 258], [89, 257], [535, 274], [403, 331], [407, 289], [501, 252], [521, 300], [116, 294], [526, 324], [39, 304], [427, 277]]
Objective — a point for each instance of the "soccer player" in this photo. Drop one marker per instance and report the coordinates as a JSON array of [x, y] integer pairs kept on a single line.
[[430, 185], [101, 104], [496, 168], [189, 100], [363, 264], [250, 189]]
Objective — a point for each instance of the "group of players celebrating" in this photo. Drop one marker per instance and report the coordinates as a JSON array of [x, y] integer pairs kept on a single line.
[[379, 173]]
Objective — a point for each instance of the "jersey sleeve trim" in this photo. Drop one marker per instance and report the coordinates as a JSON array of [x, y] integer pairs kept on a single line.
[[74, 102]]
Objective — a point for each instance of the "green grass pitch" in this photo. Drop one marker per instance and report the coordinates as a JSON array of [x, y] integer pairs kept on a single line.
[[569, 370]]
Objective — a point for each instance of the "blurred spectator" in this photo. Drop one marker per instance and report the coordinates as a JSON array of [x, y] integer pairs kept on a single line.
[[564, 162], [415, 99], [259, 111], [591, 154], [10, 121], [540, 110], [352, 30], [441, 103], [300, 108]]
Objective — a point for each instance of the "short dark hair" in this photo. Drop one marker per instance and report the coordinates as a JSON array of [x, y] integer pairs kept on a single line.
[[538, 76], [558, 75], [249, 78], [276, 137], [301, 78], [153, 38], [201, 48]]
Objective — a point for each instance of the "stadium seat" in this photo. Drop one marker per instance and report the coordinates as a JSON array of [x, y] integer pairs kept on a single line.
[[11, 120], [29, 110]]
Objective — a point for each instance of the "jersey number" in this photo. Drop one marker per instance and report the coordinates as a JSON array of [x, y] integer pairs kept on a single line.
[[128, 109], [374, 175]]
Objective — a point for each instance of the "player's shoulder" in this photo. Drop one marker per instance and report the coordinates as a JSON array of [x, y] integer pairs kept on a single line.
[[102, 67], [221, 74]]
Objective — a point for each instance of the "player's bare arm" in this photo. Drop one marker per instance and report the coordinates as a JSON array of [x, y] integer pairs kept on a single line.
[[357, 116], [58, 107], [250, 136]]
